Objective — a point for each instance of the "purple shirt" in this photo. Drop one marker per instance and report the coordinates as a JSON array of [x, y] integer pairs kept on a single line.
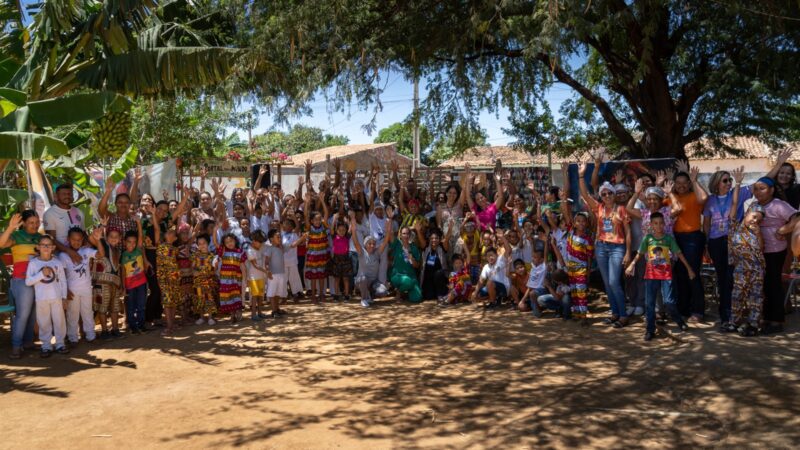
[[776, 214], [716, 211]]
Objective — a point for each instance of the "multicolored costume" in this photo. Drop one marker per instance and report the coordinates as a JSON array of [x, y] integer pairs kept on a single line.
[[230, 279], [578, 260], [747, 259], [205, 283], [167, 274], [185, 275], [317, 254], [462, 285]]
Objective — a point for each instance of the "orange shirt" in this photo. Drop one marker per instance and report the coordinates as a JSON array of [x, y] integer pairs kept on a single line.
[[689, 219], [611, 225]]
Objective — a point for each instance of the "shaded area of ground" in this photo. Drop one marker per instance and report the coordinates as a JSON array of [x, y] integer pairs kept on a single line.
[[399, 376]]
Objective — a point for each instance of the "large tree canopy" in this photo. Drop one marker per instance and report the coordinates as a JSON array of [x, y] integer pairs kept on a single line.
[[649, 76], [299, 139]]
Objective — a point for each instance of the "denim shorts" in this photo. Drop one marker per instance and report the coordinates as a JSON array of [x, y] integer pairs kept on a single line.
[[499, 290]]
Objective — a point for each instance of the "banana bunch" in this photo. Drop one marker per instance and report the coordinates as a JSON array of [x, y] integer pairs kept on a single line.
[[111, 134]]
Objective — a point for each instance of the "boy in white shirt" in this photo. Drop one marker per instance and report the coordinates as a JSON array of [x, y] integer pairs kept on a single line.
[[535, 285], [46, 274], [256, 274], [493, 282], [79, 283]]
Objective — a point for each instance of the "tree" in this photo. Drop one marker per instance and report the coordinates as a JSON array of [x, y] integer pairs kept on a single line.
[[451, 145], [299, 139], [180, 127], [403, 134], [655, 74]]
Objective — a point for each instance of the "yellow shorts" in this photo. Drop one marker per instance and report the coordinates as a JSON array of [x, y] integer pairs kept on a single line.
[[256, 287]]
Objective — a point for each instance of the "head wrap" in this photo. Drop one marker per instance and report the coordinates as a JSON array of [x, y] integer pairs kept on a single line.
[[606, 186], [755, 207], [413, 201], [655, 190], [766, 180], [621, 187]]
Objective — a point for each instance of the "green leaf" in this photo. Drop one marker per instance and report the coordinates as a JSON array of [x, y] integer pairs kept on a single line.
[[10, 199], [6, 107], [30, 146], [76, 108], [124, 164], [16, 97]]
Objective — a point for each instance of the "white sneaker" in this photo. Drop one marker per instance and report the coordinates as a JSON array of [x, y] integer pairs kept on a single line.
[[365, 303], [638, 311], [211, 321], [200, 321]]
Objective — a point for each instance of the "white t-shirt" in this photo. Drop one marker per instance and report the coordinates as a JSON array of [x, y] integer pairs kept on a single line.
[[255, 257], [79, 276], [362, 231], [61, 220], [536, 277], [496, 272], [259, 224], [47, 288], [289, 252]]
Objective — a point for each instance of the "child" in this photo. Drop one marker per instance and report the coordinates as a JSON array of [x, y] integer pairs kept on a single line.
[[535, 284], [658, 247], [519, 279], [317, 248], [746, 254], [134, 267], [471, 243], [459, 283], [46, 274], [341, 264], [184, 259], [108, 284], [204, 280], [256, 274], [556, 299], [276, 270], [229, 264], [79, 284], [168, 275], [290, 258], [578, 262], [493, 283]]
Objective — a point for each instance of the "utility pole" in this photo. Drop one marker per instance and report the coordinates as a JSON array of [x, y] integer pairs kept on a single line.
[[416, 125]]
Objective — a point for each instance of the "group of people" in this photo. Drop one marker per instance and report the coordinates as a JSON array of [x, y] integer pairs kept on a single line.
[[492, 242]]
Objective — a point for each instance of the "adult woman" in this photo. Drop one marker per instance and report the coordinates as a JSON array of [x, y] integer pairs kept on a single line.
[[690, 197], [774, 227], [121, 219], [612, 246], [405, 263], [653, 202], [485, 212], [716, 226], [785, 177], [433, 276], [23, 243], [451, 208]]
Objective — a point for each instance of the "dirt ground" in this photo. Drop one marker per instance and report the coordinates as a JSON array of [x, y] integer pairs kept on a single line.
[[400, 376]]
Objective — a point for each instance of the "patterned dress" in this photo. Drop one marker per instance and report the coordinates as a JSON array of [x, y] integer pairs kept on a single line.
[[185, 270], [747, 259], [578, 260], [230, 279], [167, 273], [205, 283], [317, 254]]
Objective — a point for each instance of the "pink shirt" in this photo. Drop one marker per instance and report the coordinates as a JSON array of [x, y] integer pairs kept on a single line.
[[776, 214], [341, 245], [488, 217]]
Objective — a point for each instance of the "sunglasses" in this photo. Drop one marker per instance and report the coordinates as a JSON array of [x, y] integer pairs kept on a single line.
[[725, 180], [606, 194]]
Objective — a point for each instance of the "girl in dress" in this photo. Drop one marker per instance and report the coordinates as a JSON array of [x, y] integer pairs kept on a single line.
[[204, 281], [341, 264], [230, 259], [168, 275], [578, 263], [317, 252]]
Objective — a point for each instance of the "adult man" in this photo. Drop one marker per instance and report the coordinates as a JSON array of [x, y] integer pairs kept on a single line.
[[62, 216]]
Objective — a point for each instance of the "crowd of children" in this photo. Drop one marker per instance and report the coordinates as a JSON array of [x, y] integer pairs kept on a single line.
[[203, 258]]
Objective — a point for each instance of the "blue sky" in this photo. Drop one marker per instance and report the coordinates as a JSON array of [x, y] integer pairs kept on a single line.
[[397, 101]]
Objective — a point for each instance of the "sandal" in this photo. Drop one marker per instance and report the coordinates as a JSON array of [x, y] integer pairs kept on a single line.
[[610, 320], [621, 322]]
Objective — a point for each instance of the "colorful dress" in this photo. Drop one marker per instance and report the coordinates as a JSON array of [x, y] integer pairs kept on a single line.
[[230, 279], [747, 259], [204, 282], [184, 259], [317, 253], [578, 261], [167, 273]]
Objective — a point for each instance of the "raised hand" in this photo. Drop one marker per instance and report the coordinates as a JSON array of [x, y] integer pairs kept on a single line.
[[137, 174], [203, 172], [670, 173], [301, 180], [682, 166], [738, 175], [661, 177], [562, 195], [668, 185], [308, 166], [639, 185], [15, 221], [619, 176], [263, 170], [337, 164], [783, 156], [582, 169], [693, 173], [389, 212], [393, 165]]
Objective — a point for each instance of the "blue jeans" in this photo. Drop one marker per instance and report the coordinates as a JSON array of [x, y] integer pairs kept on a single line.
[[609, 261], [689, 293], [718, 250], [667, 294], [564, 306], [25, 315], [134, 306], [499, 290]]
